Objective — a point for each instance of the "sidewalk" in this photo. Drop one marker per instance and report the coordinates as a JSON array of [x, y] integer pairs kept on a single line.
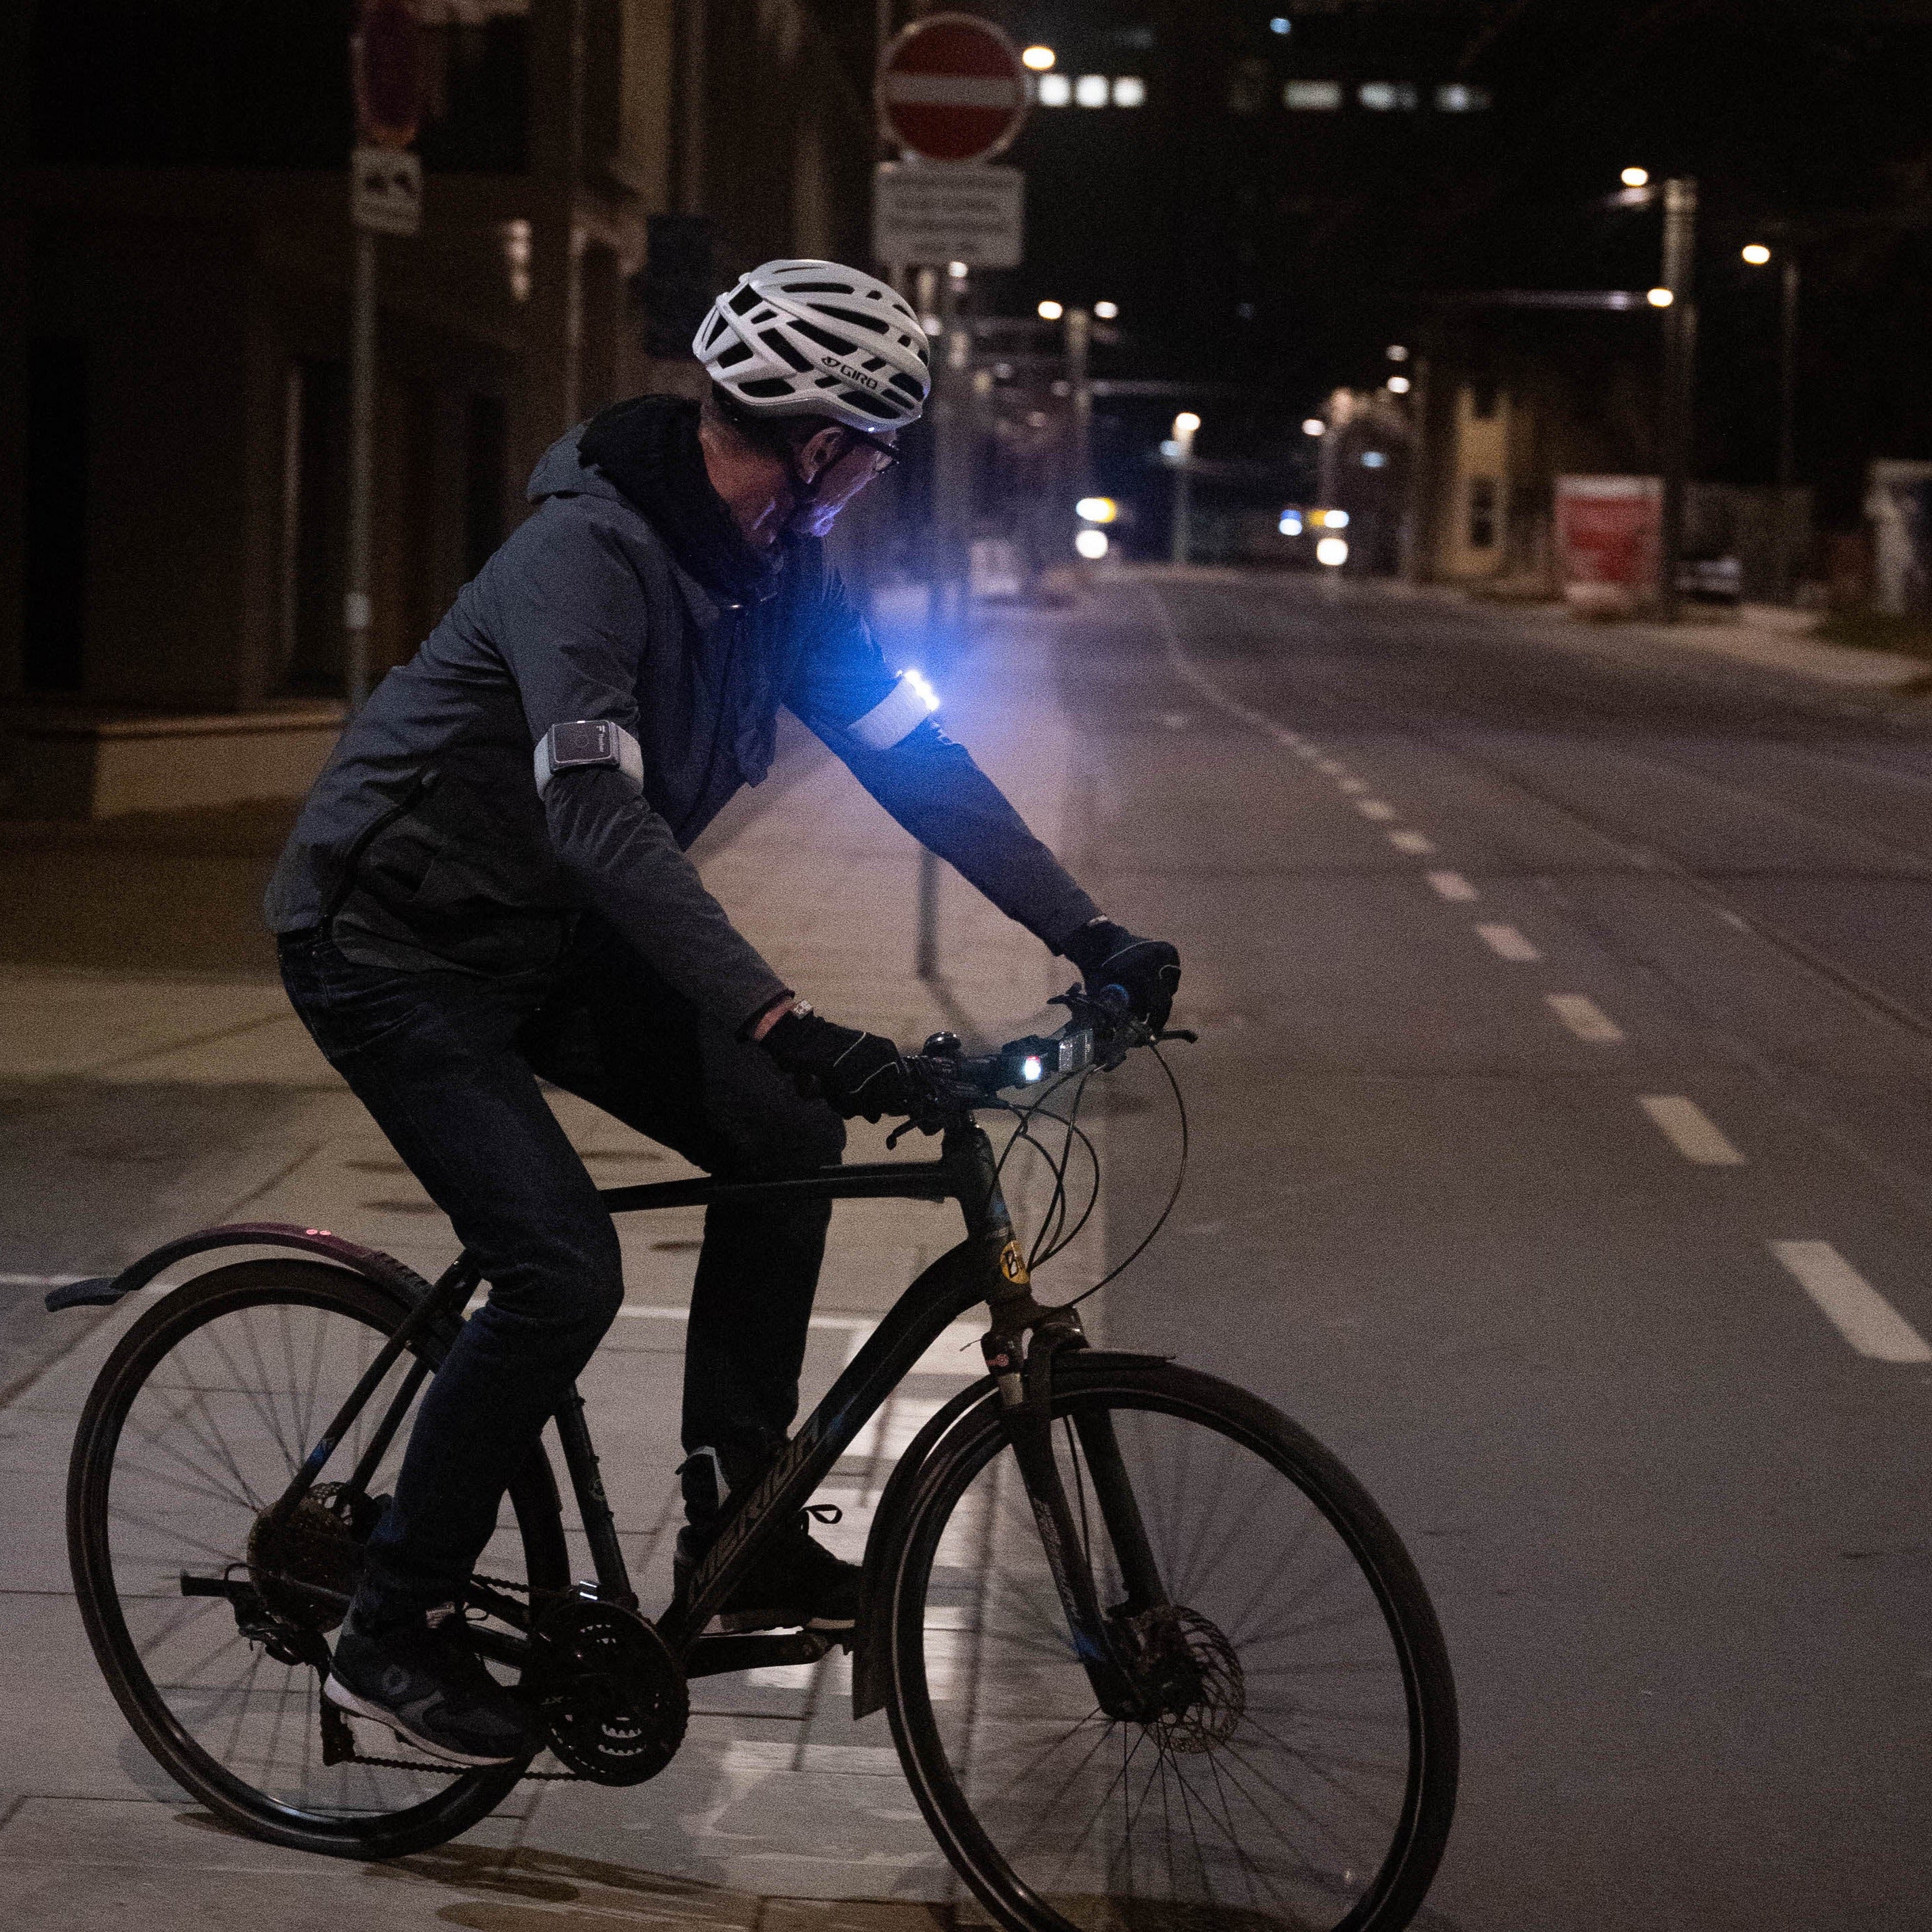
[[1764, 636], [779, 1812]]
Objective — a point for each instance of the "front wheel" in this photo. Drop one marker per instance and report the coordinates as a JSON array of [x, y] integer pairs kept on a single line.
[[1284, 1755]]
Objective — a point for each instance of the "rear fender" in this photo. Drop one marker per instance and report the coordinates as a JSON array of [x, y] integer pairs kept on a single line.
[[398, 1281]]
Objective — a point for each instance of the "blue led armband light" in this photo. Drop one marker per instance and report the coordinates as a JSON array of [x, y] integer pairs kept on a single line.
[[903, 709], [588, 741]]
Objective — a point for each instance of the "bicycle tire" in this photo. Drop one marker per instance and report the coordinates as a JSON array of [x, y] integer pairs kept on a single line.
[[140, 1356], [996, 1710]]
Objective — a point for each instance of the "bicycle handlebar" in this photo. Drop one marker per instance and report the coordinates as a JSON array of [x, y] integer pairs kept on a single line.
[[1100, 1032]]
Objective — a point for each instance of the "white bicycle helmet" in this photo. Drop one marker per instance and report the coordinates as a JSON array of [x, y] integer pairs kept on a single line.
[[811, 338]]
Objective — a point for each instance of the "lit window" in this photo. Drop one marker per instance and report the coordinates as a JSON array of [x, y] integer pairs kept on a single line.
[[1129, 91], [1312, 97], [1373, 459], [1091, 91], [1386, 97], [1456, 98], [1281, 24], [1055, 90]]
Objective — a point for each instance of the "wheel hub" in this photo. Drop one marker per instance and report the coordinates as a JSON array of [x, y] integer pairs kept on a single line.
[[305, 1565], [1187, 1680]]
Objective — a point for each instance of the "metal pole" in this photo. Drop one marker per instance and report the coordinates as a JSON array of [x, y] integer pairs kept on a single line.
[[926, 958], [356, 611], [1183, 533], [1680, 350], [1080, 388], [1787, 434], [952, 458]]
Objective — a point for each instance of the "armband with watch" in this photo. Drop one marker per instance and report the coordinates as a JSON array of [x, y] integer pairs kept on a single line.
[[588, 742]]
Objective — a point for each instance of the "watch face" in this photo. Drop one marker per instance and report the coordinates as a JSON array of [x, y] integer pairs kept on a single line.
[[580, 744]]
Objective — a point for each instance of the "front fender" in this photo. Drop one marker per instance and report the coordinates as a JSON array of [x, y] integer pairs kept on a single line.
[[394, 1277]]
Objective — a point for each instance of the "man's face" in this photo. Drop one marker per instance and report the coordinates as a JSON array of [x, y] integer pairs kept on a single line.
[[840, 462]]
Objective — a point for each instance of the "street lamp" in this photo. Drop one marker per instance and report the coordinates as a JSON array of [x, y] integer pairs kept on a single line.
[[1758, 256], [1185, 424], [1039, 59], [1314, 426], [1635, 177], [1050, 311], [1106, 310]]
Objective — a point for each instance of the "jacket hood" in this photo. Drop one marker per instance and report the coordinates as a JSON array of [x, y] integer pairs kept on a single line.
[[562, 473]]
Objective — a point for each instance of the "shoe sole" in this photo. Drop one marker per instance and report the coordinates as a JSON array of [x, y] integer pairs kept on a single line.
[[343, 1699]]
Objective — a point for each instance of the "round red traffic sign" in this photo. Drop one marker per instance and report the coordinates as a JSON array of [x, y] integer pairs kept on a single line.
[[386, 72], [951, 88]]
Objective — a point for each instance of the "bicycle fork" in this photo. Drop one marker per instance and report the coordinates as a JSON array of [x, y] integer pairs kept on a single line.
[[1101, 1633]]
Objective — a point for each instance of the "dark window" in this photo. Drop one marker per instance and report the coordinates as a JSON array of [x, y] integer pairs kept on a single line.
[[1483, 402], [1482, 512], [486, 454], [54, 599], [240, 83], [321, 491]]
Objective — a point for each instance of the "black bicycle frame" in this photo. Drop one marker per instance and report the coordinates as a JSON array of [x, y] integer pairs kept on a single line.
[[984, 1269]]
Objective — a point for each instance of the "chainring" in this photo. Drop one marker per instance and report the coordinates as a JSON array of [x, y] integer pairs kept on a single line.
[[610, 1694]]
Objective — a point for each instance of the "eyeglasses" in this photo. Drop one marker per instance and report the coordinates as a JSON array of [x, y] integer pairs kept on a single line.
[[883, 455]]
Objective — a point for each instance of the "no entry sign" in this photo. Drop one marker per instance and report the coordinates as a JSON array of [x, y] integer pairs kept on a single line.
[[951, 88]]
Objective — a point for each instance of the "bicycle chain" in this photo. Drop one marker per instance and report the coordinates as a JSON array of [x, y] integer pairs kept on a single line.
[[355, 1756]]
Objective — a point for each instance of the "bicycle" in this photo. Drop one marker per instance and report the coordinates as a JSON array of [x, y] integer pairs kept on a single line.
[[1150, 1656]]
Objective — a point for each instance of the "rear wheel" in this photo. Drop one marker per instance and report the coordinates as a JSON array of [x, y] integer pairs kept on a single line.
[[1291, 1760], [211, 1624]]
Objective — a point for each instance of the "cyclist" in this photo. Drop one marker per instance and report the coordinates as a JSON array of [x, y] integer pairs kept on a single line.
[[487, 887]]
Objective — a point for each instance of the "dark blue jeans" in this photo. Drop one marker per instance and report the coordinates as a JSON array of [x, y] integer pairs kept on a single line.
[[448, 1064]]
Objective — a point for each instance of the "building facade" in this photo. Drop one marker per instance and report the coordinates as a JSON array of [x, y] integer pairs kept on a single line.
[[175, 262]]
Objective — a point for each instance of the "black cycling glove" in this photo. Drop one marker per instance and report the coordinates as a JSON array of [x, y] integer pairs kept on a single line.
[[1147, 971], [860, 1074]]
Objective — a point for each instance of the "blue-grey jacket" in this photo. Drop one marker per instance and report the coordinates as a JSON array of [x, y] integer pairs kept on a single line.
[[425, 843]]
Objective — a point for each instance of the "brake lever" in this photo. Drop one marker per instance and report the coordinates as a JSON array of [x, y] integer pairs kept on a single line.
[[1186, 1033]]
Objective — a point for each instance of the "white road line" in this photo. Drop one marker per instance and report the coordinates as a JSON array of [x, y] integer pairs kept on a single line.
[[1353, 787], [1506, 943], [1850, 1303], [1450, 886], [1329, 767], [1306, 751], [1585, 1018], [1413, 843], [43, 1280], [1691, 1130], [1376, 809]]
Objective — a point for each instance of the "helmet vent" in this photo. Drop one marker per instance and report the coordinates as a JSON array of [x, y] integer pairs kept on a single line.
[[825, 338], [739, 352], [871, 321], [774, 341], [820, 288], [744, 302], [857, 399], [767, 385]]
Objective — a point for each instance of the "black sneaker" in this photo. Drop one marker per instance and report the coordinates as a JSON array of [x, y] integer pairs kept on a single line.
[[793, 1582], [421, 1678]]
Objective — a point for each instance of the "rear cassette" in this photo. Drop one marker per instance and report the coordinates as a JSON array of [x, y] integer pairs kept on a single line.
[[611, 1696]]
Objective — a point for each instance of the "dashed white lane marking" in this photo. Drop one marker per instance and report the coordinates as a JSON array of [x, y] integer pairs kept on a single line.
[[1450, 886], [1354, 787], [1506, 943], [1329, 767], [1851, 1304], [41, 1280], [1691, 1130], [1306, 751], [1585, 1018], [1413, 843], [1376, 809]]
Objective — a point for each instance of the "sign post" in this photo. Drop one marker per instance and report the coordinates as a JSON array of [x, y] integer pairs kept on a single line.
[[385, 198], [951, 94]]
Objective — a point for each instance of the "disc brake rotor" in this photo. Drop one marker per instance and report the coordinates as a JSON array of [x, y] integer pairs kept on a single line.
[[610, 1694], [1191, 1681]]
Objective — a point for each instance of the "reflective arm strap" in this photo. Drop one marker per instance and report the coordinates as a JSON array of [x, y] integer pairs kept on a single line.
[[588, 742], [908, 705]]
